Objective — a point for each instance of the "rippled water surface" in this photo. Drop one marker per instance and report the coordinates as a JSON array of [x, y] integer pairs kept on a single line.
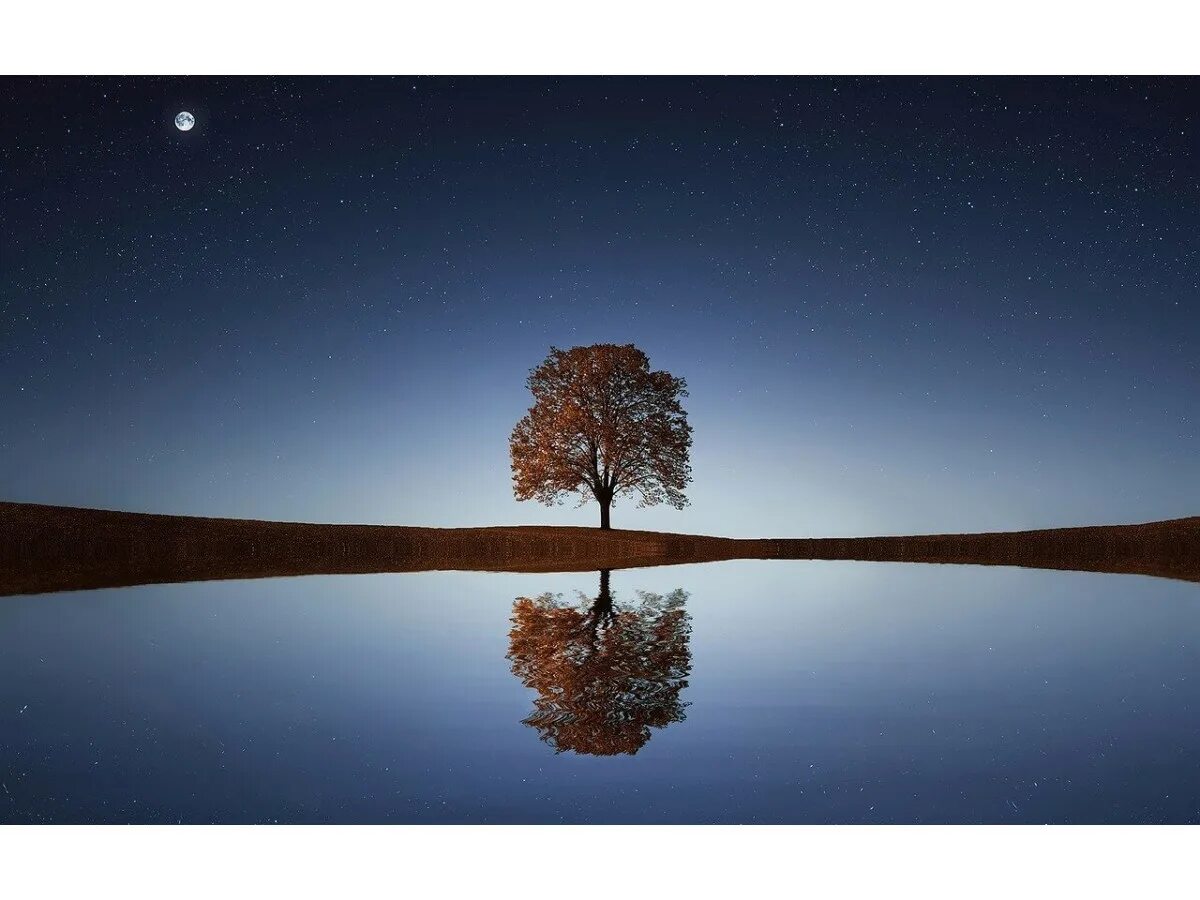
[[749, 692]]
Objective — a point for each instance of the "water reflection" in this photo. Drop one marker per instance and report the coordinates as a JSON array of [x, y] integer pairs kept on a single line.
[[605, 672]]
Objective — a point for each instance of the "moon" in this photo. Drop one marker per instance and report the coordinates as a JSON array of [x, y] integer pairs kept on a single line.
[[184, 121]]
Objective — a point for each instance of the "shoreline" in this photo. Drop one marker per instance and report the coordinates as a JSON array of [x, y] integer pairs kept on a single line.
[[45, 549]]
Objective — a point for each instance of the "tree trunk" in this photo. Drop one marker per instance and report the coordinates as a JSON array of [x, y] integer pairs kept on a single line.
[[604, 507]]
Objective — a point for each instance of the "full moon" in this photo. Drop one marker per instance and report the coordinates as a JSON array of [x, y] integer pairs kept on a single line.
[[184, 121]]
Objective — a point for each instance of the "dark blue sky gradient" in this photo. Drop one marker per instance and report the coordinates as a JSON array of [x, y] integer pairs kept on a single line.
[[901, 305]]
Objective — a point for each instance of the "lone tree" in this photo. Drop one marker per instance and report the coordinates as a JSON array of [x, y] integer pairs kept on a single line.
[[602, 425]]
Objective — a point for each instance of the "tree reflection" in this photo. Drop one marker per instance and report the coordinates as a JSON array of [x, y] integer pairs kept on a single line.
[[605, 673]]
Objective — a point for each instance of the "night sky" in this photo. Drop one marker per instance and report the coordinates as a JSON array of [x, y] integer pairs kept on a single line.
[[900, 305]]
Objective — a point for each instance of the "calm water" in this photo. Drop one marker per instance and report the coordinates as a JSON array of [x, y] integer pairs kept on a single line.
[[749, 692]]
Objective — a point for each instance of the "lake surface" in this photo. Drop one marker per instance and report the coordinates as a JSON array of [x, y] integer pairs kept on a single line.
[[740, 692]]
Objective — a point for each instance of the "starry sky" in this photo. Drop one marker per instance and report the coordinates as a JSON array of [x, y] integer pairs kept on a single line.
[[901, 305]]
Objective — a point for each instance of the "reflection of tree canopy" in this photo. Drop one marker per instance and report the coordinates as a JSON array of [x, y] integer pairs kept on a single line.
[[605, 673]]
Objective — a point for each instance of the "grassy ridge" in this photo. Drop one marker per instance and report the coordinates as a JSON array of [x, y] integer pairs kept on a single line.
[[55, 548]]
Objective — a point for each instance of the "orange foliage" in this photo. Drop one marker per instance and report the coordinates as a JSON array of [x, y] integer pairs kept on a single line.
[[605, 674], [602, 425]]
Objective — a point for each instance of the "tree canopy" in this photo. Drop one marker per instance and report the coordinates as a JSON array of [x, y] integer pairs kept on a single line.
[[602, 425]]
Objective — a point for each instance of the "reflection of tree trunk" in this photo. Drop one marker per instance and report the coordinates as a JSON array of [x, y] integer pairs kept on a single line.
[[602, 609]]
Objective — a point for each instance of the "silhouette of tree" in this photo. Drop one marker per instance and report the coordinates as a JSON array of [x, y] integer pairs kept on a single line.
[[602, 425], [605, 674]]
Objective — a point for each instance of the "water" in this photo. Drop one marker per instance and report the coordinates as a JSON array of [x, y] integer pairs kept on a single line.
[[764, 692]]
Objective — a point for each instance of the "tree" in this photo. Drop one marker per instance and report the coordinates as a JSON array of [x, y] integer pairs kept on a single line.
[[605, 673], [602, 425]]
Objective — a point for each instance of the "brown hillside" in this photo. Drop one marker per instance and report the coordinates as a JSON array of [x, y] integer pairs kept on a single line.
[[56, 548]]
